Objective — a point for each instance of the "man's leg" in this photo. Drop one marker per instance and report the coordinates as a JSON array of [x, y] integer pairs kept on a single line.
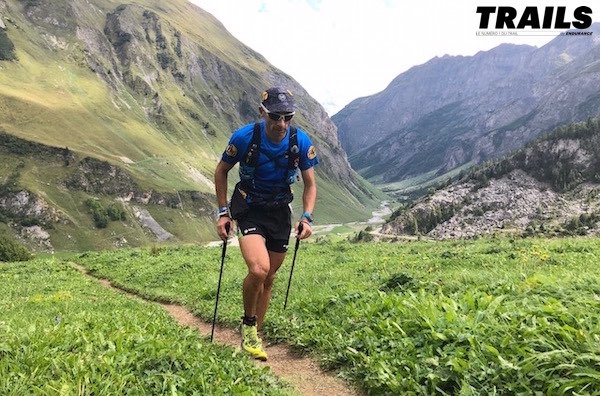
[[255, 254], [277, 242], [264, 297]]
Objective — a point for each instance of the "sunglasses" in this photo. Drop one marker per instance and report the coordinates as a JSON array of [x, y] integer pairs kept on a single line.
[[287, 117]]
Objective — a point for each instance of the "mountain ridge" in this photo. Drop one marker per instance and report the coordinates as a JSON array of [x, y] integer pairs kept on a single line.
[[453, 111]]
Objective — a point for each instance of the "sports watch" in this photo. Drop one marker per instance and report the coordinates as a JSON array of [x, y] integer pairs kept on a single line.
[[222, 211], [308, 216]]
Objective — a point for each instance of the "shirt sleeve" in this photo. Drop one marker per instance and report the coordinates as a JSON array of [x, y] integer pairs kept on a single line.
[[236, 147], [308, 152]]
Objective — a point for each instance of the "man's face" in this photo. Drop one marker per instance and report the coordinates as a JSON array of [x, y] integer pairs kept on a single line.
[[277, 124]]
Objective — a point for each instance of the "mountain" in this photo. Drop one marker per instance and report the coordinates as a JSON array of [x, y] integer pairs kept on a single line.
[[456, 111], [135, 102], [551, 186]]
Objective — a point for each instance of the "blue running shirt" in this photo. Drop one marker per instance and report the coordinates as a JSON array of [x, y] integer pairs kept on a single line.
[[270, 175]]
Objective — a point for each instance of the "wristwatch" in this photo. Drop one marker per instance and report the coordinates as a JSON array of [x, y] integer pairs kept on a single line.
[[309, 218], [222, 211]]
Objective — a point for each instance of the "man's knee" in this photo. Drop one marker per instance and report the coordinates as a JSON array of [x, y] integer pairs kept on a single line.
[[258, 271]]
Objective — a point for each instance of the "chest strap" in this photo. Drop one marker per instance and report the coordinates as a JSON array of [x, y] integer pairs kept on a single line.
[[253, 153]]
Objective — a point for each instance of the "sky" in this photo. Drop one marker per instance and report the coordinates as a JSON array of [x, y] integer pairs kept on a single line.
[[340, 50]]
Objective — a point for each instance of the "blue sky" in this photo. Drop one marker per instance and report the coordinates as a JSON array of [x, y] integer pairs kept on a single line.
[[339, 50]]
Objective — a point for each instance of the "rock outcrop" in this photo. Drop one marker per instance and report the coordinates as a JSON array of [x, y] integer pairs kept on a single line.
[[551, 186]]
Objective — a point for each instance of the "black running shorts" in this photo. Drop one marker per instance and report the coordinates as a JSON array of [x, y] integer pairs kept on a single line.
[[274, 224]]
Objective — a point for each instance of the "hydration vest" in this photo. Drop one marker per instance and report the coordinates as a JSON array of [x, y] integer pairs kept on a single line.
[[250, 163]]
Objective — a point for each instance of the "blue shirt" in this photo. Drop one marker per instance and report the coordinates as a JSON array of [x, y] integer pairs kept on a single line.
[[272, 164]]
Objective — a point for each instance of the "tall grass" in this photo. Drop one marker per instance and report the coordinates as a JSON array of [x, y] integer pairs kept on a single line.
[[486, 317], [65, 334]]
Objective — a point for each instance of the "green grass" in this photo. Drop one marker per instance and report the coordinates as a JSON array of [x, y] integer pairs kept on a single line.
[[411, 184], [185, 225], [64, 334], [473, 318], [342, 229]]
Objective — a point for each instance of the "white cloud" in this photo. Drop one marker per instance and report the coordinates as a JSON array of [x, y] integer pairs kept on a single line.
[[343, 49]]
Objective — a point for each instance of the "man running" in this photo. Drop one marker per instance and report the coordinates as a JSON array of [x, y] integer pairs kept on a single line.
[[272, 154]]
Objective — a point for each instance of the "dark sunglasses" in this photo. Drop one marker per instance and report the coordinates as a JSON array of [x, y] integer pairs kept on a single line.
[[287, 117]]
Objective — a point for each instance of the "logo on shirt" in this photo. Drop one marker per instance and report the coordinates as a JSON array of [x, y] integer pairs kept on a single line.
[[231, 150], [312, 152]]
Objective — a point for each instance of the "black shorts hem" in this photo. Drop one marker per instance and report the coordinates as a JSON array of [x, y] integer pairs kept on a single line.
[[274, 225], [278, 246]]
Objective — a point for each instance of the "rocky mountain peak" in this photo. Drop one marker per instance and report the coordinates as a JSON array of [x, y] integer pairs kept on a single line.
[[458, 110]]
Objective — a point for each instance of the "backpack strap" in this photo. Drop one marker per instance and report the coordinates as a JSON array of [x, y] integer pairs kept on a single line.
[[252, 157], [253, 153], [293, 149]]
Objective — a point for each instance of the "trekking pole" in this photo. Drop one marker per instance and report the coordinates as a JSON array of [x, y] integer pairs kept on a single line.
[[212, 332], [300, 227]]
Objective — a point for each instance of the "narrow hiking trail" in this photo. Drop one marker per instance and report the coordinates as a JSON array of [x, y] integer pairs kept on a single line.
[[301, 372]]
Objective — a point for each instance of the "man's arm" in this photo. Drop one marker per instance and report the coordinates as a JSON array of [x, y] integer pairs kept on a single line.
[[221, 172], [309, 197]]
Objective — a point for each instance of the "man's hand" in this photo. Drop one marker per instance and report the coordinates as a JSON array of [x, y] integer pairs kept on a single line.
[[303, 230], [223, 227]]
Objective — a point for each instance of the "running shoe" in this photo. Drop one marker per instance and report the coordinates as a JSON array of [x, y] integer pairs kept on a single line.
[[252, 344]]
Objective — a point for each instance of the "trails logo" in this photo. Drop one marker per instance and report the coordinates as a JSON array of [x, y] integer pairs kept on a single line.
[[508, 21]]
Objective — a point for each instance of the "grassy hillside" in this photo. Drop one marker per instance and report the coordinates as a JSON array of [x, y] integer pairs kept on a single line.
[[58, 103], [154, 88], [69, 220]]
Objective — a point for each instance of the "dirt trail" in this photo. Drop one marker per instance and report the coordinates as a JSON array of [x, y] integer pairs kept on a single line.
[[301, 372]]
